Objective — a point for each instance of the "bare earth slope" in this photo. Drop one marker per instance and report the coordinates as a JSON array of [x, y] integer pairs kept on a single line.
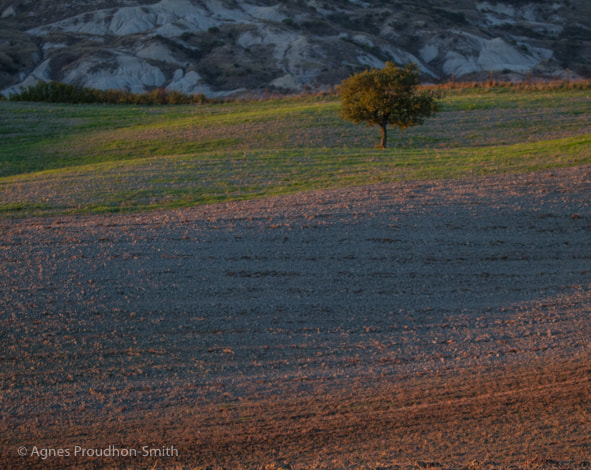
[[375, 327], [221, 47]]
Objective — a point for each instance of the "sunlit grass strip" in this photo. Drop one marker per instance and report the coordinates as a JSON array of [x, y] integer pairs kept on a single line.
[[62, 159], [189, 180]]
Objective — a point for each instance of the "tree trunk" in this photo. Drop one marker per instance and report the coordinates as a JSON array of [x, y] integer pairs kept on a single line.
[[384, 142]]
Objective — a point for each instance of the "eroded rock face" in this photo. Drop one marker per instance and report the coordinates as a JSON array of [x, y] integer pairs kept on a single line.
[[222, 46]]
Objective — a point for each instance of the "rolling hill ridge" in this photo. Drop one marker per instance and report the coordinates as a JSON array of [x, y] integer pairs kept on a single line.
[[217, 47]]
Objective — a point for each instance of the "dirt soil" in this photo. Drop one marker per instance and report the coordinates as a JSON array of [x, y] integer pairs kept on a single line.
[[441, 324]]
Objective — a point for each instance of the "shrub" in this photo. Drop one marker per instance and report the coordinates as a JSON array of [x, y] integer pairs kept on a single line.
[[56, 92]]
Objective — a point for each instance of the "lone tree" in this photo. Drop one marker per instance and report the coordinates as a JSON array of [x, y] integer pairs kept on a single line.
[[385, 96]]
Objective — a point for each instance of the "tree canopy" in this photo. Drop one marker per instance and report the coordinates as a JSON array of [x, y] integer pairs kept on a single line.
[[388, 96]]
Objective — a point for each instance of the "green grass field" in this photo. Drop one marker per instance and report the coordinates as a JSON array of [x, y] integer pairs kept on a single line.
[[67, 159]]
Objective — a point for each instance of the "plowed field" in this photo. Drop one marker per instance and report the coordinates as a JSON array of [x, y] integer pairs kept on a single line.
[[439, 323]]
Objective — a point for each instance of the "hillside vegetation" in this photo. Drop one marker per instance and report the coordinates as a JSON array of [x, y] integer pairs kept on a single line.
[[67, 159]]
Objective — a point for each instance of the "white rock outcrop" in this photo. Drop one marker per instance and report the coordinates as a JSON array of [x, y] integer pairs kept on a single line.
[[126, 73], [9, 11], [189, 83], [210, 46]]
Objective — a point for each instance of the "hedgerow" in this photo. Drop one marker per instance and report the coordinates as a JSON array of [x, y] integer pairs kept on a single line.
[[57, 92]]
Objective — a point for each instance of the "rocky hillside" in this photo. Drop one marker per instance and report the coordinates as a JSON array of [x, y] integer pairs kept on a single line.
[[222, 46]]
